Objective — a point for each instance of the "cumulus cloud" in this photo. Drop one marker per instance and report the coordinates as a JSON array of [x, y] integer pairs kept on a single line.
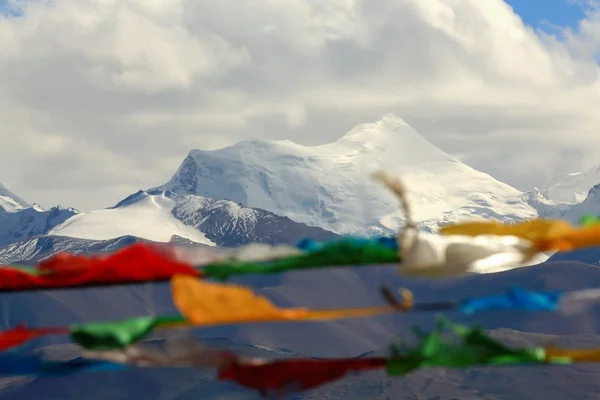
[[99, 98]]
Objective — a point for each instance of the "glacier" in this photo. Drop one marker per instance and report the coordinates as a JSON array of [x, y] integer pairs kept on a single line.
[[329, 185]]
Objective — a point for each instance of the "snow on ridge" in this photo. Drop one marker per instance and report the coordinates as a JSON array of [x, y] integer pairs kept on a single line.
[[143, 215], [9, 204], [157, 215], [26, 222], [197, 210]]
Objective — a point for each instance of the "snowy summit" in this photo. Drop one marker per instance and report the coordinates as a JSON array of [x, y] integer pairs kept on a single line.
[[329, 185]]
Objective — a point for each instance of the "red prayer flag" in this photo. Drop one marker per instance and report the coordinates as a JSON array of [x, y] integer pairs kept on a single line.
[[281, 376], [20, 334], [134, 264]]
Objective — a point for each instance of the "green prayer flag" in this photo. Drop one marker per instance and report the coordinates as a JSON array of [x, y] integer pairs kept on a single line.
[[340, 253], [473, 347], [119, 334], [588, 220]]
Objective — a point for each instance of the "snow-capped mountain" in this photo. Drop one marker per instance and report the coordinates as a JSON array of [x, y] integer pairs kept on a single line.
[[329, 185], [19, 220], [308, 191], [159, 217], [144, 215], [574, 187]]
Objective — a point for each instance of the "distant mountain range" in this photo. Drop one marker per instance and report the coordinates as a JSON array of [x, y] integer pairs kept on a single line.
[[329, 185], [280, 192], [150, 216]]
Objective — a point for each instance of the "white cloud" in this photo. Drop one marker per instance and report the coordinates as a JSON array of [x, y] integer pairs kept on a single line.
[[98, 98]]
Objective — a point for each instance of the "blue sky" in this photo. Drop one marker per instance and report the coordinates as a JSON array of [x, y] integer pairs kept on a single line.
[[4, 8], [536, 13]]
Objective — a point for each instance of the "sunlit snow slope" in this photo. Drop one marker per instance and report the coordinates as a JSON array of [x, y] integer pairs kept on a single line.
[[143, 215], [329, 185]]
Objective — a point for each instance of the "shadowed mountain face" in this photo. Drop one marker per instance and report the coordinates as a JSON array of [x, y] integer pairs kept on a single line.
[[35, 249]]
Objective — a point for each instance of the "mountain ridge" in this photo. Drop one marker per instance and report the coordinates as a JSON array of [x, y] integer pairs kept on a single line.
[[21, 223], [311, 189]]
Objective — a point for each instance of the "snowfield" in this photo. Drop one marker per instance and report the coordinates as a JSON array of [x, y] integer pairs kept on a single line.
[[148, 217]]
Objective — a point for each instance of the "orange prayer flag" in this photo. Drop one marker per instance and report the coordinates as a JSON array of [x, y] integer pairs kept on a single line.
[[576, 355], [532, 230], [577, 239], [207, 303]]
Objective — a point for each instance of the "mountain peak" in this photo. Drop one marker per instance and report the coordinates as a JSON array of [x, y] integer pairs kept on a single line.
[[328, 185], [392, 135], [143, 195], [37, 207]]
